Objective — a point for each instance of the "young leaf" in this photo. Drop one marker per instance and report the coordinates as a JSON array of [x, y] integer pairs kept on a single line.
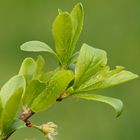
[[62, 31], [90, 61], [40, 63], [10, 109], [117, 78], [107, 78], [115, 103], [95, 78], [66, 31], [28, 69], [36, 46], [60, 11], [56, 86], [33, 89], [16, 83], [10, 95], [73, 58], [77, 16], [48, 75]]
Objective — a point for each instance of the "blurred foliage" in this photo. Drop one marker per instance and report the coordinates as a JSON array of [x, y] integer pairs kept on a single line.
[[110, 25]]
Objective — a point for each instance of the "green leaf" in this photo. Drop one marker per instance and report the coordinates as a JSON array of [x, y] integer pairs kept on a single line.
[[91, 83], [36, 46], [28, 69], [115, 103], [60, 11], [10, 95], [56, 86], [47, 76], [34, 88], [15, 125], [16, 83], [73, 58], [62, 31], [40, 63], [117, 78], [10, 109], [31, 69], [0, 106], [108, 78], [66, 31], [77, 16], [18, 124], [90, 61], [91, 72]]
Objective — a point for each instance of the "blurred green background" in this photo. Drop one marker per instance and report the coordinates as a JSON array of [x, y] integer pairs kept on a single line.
[[112, 25]]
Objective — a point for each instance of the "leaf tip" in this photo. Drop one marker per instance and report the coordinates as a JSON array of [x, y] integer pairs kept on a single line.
[[21, 47], [79, 4], [60, 11], [136, 75], [120, 109]]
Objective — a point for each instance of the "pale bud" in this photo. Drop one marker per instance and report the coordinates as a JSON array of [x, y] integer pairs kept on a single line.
[[49, 130]]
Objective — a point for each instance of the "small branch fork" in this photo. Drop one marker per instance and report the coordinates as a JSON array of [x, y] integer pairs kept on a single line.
[[25, 115], [49, 129]]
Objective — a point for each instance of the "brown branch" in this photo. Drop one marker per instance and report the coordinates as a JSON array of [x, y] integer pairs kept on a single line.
[[25, 115]]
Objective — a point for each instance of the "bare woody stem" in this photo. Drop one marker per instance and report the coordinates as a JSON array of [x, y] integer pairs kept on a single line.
[[25, 115]]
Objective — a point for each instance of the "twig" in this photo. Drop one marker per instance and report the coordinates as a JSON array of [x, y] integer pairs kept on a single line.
[[25, 115]]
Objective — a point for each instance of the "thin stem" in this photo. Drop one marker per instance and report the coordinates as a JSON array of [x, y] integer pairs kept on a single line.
[[8, 135], [25, 115]]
